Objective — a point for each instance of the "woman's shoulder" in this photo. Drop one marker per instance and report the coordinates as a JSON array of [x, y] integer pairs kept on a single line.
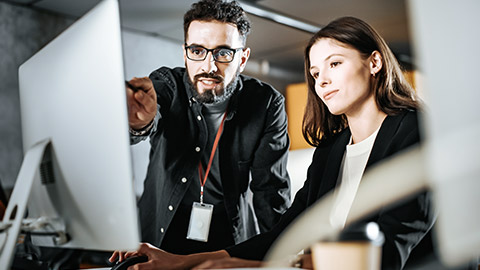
[[400, 130], [411, 116], [407, 119]]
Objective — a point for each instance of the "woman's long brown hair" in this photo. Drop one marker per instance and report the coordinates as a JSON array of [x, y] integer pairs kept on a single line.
[[393, 94]]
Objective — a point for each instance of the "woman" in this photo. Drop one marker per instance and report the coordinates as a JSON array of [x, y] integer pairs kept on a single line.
[[360, 110]]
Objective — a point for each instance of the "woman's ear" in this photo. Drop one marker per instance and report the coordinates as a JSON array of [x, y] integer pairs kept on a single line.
[[376, 62]]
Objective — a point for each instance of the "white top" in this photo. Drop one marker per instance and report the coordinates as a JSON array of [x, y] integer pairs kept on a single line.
[[351, 172]]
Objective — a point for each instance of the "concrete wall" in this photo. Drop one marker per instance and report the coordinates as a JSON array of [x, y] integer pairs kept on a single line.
[[23, 32], [142, 55]]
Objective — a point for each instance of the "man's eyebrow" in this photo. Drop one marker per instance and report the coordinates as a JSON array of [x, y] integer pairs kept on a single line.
[[193, 44], [223, 46]]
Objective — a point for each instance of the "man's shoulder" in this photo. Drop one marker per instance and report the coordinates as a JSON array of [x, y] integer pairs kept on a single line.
[[254, 86], [168, 74]]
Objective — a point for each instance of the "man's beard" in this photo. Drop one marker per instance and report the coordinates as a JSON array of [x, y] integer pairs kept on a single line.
[[211, 96]]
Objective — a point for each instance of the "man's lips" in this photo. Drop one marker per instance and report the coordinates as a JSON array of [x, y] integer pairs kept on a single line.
[[329, 94], [209, 81]]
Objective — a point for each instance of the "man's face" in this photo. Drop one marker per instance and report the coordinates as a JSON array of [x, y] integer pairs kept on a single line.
[[210, 78]]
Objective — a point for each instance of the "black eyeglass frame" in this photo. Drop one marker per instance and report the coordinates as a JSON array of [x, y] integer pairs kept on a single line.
[[233, 50]]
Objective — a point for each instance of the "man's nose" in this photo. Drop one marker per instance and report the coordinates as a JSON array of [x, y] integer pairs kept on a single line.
[[209, 65]]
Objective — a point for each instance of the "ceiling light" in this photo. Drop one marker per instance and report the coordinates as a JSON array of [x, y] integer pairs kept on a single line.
[[277, 17]]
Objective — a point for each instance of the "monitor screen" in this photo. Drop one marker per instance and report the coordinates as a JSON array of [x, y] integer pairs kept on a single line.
[[72, 93]]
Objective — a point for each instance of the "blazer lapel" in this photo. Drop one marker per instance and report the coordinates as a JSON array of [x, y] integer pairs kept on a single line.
[[379, 151], [384, 137], [332, 166]]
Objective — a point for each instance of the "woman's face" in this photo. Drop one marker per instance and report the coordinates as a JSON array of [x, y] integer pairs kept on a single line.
[[342, 77]]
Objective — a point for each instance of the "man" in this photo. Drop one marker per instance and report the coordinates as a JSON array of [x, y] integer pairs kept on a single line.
[[214, 134]]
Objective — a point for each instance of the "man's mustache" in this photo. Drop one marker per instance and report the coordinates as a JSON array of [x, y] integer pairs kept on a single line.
[[197, 77]]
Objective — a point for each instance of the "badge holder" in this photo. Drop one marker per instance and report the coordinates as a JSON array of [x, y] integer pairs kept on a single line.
[[200, 222], [201, 215]]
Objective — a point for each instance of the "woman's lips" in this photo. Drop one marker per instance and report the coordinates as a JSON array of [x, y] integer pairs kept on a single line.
[[329, 94]]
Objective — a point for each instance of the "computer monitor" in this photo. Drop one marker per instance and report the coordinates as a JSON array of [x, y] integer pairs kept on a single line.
[[75, 124]]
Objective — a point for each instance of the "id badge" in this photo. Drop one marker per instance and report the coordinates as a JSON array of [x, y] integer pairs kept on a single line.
[[200, 221]]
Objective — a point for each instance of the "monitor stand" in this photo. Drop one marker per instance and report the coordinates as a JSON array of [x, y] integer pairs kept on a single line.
[[15, 212]]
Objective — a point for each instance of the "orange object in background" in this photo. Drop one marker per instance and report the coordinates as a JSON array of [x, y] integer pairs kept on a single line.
[[296, 100]]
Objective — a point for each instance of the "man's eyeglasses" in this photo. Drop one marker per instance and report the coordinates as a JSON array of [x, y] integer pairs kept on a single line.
[[221, 55]]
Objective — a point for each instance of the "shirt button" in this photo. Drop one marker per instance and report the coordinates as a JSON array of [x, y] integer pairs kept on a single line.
[[184, 180], [197, 149], [199, 117], [170, 208], [162, 230]]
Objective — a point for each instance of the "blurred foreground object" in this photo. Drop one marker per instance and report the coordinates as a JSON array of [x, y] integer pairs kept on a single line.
[[447, 54], [362, 245]]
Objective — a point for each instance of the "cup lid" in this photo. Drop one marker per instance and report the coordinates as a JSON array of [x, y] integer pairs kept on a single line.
[[363, 232]]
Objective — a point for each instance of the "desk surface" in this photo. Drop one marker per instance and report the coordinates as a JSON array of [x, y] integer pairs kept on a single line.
[[285, 268]]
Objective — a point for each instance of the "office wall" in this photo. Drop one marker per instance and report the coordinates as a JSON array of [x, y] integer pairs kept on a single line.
[[142, 55], [23, 32]]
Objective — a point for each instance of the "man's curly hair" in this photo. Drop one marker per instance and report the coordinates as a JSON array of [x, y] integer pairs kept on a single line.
[[218, 10]]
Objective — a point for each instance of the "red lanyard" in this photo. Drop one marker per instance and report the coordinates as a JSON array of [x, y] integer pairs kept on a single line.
[[212, 154]]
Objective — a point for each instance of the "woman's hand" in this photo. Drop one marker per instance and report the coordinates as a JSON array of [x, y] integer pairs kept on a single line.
[[228, 263]]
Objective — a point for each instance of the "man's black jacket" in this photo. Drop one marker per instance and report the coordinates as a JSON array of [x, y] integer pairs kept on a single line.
[[252, 153]]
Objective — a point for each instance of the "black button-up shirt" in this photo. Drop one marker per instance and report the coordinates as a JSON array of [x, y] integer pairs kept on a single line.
[[253, 150]]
